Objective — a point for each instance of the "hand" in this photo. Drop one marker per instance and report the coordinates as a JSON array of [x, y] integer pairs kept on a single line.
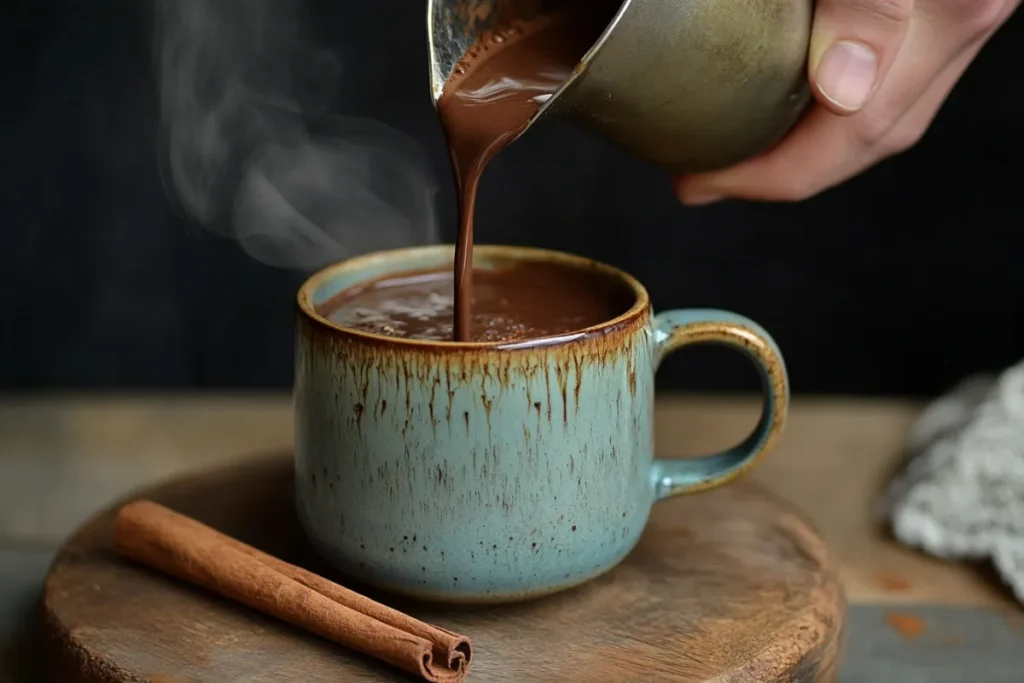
[[879, 71]]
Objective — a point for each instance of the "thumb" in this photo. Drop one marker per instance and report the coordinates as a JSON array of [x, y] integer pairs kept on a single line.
[[853, 44]]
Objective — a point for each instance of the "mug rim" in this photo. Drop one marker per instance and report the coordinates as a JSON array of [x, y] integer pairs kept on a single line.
[[641, 301]]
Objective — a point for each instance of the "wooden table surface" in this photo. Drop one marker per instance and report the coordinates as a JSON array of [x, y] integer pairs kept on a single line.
[[63, 458]]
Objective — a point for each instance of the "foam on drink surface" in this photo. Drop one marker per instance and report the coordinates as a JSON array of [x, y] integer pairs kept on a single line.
[[514, 304]]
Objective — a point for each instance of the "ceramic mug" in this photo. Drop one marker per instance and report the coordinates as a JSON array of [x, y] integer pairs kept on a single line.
[[494, 472]]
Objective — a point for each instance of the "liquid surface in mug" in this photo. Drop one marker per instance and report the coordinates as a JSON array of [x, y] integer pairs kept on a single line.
[[513, 303]]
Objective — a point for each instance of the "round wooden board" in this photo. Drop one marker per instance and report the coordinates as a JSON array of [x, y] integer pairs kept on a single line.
[[726, 586]]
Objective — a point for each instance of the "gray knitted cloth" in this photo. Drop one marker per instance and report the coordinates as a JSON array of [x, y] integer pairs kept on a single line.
[[961, 495]]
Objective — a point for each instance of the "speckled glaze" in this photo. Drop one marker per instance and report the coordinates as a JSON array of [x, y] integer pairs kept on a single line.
[[483, 472]]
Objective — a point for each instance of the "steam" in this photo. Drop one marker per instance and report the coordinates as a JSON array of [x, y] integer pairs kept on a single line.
[[251, 151]]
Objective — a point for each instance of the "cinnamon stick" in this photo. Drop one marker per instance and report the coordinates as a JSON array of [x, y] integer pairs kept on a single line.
[[186, 549]]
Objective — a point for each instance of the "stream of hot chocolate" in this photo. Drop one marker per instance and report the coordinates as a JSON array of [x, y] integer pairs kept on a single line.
[[495, 89]]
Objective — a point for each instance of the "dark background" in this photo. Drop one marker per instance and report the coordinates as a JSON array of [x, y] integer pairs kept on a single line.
[[899, 282]]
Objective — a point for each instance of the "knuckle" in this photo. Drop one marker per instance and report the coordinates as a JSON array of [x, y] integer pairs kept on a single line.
[[979, 17], [797, 188], [901, 141], [875, 126], [891, 14]]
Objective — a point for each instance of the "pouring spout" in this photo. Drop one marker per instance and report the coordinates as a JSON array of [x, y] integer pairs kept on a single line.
[[453, 26]]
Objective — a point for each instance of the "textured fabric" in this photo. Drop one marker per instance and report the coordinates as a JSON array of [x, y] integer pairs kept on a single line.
[[961, 494]]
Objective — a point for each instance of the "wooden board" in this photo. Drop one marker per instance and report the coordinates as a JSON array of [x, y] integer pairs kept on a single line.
[[727, 586]]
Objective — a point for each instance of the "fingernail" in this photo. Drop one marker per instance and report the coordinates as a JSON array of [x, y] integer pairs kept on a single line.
[[846, 74]]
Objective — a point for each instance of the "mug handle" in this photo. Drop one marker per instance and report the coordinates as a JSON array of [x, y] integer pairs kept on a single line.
[[676, 329]]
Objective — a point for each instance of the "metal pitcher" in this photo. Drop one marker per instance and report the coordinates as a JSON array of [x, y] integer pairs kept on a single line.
[[691, 85]]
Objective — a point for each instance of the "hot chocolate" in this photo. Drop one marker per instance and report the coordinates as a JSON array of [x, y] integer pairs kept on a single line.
[[514, 303], [495, 89]]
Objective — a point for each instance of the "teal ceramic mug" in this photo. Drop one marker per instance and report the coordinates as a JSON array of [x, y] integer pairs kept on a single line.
[[490, 472]]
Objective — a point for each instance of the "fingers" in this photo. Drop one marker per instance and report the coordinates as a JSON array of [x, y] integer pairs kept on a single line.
[[915, 122], [853, 44], [967, 21], [815, 155], [825, 149]]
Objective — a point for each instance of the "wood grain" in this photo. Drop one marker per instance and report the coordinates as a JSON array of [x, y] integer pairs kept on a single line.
[[725, 586]]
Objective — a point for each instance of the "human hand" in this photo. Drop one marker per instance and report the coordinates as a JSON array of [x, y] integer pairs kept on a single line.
[[879, 70]]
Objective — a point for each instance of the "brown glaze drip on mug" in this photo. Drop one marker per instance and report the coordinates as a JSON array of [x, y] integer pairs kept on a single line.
[[519, 302], [494, 91]]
